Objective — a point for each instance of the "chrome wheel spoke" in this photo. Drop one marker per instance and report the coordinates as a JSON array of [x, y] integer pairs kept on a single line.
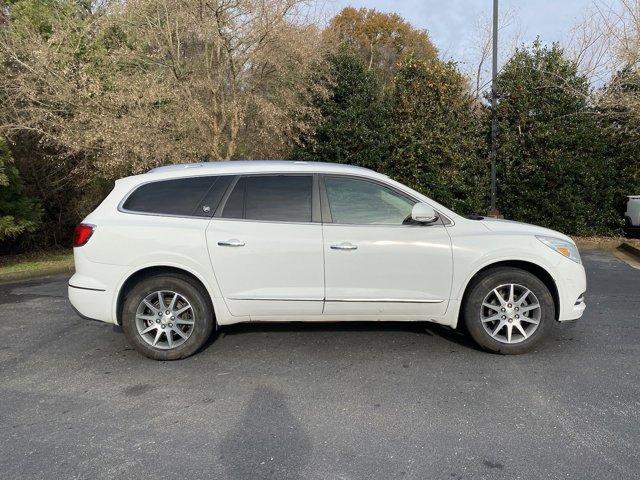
[[529, 320], [492, 307], [150, 306], [497, 329], [172, 305], [500, 298], [148, 329], [491, 319], [528, 308], [180, 321], [521, 330], [180, 332], [156, 325], [509, 332], [160, 301], [523, 297]]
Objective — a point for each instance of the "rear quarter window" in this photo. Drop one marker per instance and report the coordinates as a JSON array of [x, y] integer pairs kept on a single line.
[[196, 196]]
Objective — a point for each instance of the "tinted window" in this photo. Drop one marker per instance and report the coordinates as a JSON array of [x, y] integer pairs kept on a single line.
[[359, 202], [234, 208], [184, 196], [279, 198], [213, 197]]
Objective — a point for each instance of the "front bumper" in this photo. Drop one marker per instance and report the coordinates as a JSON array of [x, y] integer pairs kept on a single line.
[[572, 289], [576, 312]]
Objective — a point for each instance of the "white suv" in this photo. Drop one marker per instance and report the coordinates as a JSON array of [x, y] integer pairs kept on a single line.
[[172, 254]]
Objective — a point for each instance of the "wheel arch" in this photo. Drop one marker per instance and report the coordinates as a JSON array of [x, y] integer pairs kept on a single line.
[[535, 269], [146, 272]]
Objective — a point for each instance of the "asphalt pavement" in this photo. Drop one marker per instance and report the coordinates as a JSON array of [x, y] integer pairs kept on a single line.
[[329, 401]]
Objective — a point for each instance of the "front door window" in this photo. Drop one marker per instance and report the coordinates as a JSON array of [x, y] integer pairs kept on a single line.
[[359, 202]]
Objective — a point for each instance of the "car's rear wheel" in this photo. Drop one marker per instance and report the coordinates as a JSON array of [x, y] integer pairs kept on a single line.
[[167, 317], [508, 310]]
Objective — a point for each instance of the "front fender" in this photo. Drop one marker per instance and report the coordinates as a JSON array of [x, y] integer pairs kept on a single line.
[[467, 268]]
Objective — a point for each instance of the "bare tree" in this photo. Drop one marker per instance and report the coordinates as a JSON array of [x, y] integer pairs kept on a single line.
[[606, 46], [479, 72], [141, 82], [607, 38]]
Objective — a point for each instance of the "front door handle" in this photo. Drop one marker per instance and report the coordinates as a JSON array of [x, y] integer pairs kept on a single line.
[[344, 246], [231, 243]]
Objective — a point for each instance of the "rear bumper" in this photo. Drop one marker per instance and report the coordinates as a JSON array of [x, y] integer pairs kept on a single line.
[[93, 288], [90, 303]]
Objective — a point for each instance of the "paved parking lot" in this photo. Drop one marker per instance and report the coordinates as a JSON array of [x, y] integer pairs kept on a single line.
[[341, 401]]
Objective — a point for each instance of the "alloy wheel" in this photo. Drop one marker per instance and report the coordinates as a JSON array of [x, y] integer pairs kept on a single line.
[[165, 319], [510, 313]]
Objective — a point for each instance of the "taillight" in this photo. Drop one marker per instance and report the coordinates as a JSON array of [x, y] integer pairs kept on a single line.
[[82, 234]]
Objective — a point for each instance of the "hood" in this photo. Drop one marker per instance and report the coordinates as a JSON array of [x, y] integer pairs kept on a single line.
[[509, 226]]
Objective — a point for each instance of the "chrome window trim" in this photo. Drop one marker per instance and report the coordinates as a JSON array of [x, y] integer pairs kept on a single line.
[[382, 300], [276, 299], [382, 225], [164, 215], [319, 172], [345, 300], [216, 219]]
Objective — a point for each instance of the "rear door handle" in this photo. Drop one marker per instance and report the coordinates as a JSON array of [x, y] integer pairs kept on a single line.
[[231, 243], [344, 246]]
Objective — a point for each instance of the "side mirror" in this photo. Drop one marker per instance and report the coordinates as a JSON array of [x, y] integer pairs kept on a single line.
[[423, 213]]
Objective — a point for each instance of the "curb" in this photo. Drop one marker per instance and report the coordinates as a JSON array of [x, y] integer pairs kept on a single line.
[[630, 250], [34, 274]]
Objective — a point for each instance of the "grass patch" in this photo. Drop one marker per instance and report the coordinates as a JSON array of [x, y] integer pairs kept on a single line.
[[34, 262]]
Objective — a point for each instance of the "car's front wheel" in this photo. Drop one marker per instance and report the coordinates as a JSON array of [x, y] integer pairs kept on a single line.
[[167, 317], [508, 310]]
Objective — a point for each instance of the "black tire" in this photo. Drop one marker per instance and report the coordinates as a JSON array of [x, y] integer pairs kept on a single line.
[[485, 284], [199, 299]]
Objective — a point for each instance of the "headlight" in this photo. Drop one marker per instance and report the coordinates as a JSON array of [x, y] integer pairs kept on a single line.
[[567, 249]]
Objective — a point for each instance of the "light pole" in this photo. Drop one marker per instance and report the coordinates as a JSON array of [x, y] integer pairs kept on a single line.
[[493, 211]]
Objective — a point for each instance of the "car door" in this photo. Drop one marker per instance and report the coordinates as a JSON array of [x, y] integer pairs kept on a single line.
[[377, 262], [265, 245]]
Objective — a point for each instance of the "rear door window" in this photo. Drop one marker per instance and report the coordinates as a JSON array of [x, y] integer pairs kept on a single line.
[[275, 198], [195, 196]]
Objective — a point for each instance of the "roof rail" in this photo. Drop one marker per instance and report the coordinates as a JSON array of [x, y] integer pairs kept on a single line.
[[179, 166]]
